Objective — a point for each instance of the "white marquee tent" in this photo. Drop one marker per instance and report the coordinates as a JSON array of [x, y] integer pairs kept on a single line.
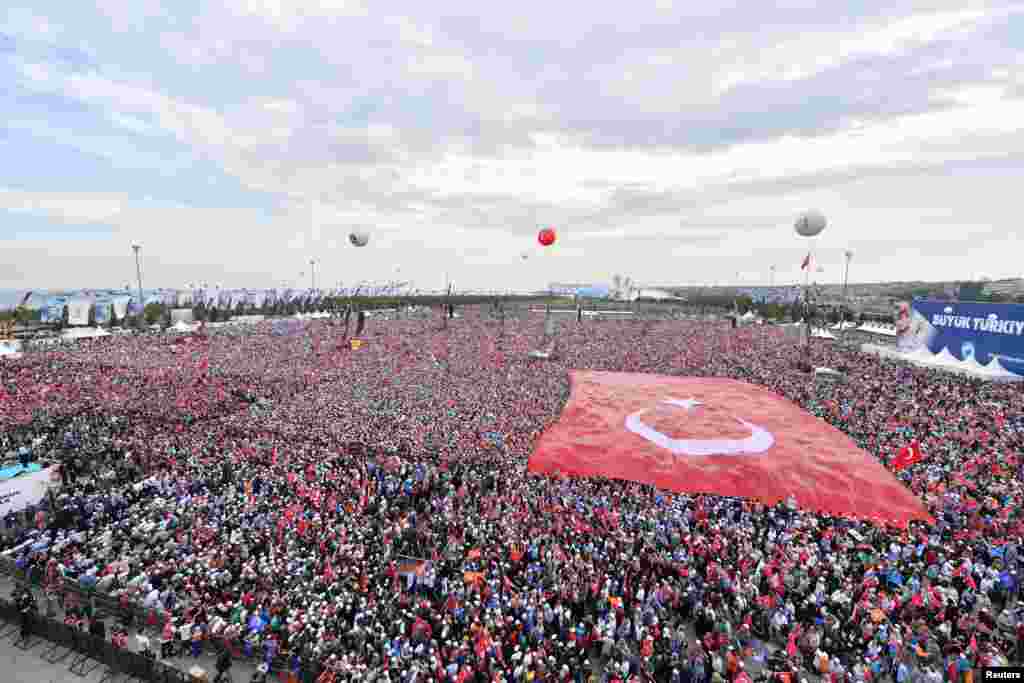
[[944, 360]]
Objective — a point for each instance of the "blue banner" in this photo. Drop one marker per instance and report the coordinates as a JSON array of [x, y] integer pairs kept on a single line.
[[103, 307], [593, 292], [772, 295], [978, 330], [53, 310]]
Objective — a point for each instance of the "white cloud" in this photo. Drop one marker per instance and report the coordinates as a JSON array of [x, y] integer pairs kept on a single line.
[[706, 129], [811, 52], [66, 208], [440, 66]]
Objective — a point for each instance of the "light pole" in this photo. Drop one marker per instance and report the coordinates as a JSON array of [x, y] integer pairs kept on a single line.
[[138, 274], [848, 254], [771, 277], [846, 275], [312, 273]]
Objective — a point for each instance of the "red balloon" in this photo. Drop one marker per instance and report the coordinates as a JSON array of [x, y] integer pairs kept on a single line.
[[546, 237]]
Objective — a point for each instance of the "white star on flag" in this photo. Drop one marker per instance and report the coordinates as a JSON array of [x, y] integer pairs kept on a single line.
[[689, 403]]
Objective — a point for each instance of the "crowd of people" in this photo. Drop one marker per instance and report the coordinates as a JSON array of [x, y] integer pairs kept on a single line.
[[369, 511]]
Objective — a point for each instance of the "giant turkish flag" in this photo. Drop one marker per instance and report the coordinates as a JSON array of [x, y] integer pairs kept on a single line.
[[718, 436]]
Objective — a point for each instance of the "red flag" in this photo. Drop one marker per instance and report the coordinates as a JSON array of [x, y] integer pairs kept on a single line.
[[412, 567], [720, 436], [807, 262], [908, 455], [482, 643]]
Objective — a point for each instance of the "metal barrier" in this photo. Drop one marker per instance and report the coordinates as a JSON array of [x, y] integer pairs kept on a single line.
[[9, 614], [86, 653], [89, 653], [61, 641]]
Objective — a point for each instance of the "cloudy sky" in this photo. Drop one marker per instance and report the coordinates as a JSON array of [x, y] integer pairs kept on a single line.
[[674, 142]]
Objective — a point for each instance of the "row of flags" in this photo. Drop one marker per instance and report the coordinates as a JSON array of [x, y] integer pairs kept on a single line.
[[126, 302], [225, 298]]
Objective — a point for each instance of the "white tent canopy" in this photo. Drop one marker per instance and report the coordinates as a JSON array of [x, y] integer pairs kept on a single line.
[[875, 328], [84, 333], [944, 360], [10, 348]]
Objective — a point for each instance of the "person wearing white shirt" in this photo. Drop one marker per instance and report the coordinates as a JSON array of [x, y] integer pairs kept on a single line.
[[152, 599], [184, 639]]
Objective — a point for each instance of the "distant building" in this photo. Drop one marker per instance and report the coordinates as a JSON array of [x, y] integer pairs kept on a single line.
[[771, 295], [656, 294], [597, 292], [567, 289], [1013, 287], [970, 291]]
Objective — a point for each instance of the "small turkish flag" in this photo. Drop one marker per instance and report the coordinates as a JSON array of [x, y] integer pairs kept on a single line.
[[908, 455]]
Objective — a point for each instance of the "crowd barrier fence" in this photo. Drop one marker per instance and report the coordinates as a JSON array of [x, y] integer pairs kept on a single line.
[[87, 652]]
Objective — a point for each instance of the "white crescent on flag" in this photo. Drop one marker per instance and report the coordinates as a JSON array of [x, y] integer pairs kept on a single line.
[[759, 441]]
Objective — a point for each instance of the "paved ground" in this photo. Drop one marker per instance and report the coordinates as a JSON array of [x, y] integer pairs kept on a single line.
[[28, 666], [18, 665]]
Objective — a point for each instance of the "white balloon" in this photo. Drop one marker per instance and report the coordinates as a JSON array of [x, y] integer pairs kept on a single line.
[[359, 237], [810, 223]]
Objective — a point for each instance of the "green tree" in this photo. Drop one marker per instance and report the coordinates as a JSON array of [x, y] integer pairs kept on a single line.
[[153, 312]]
